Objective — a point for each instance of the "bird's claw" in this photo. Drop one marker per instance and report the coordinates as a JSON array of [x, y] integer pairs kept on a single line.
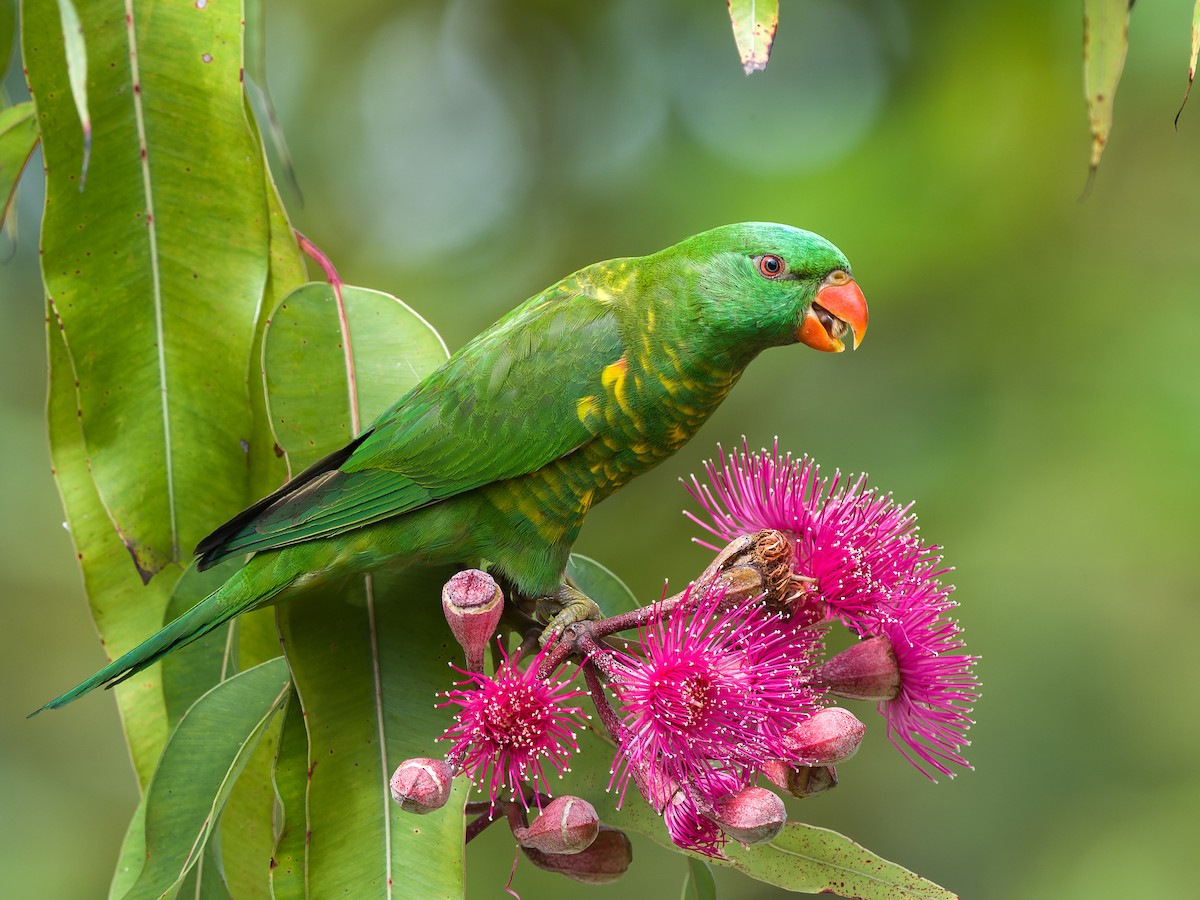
[[564, 608]]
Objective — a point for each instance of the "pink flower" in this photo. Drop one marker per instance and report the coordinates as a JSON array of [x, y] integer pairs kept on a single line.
[[509, 725], [870, 570], [714, 693], [929, 717]]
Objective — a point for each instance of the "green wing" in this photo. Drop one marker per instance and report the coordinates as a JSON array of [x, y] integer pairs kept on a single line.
[[503, 406]]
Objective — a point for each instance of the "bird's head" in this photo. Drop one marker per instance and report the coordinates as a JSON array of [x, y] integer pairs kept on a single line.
[[759, 284]]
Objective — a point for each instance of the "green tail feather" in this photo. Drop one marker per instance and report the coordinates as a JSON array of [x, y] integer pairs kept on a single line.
[[238, 595]]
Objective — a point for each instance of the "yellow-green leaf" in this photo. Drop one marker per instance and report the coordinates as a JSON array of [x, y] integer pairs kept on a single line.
[[1192, 61], [18, 137], [158, 268], [202, 760], [1105, 42], [367, 656], [754, 24], [77, 73]]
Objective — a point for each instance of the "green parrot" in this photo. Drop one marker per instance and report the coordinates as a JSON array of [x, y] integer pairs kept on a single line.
[[500, 453]]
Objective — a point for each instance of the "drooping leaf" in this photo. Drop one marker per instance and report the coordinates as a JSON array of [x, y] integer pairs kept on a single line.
[[699, 883], [132, 856], [77, 74], [1192, 60], [1105, 42], [158, 268], [601, 584], [754, 24], [291, 789], [125, 610], [367, 656], [247, 828], [259, 89], [202, 760], [8, 34], [18, 138], [803, 858]]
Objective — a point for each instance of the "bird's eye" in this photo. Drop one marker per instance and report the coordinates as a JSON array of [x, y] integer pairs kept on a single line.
[[770, 266]]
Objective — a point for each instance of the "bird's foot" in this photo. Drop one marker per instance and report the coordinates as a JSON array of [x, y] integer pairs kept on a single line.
[[562, 609]]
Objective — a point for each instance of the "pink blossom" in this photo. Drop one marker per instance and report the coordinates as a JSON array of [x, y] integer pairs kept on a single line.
[[509, 725]]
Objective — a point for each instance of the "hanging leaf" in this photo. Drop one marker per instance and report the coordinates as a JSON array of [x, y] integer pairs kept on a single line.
[[754, 24], [158, 268], [1105, 42], [1192, 61], [125, 610], [8, 33], [368, 656], [699, 883], [259, 89], [203, 758], [291, 788], [77, 75], [18, 138]]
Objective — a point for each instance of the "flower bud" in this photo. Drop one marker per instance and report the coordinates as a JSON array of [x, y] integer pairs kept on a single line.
[[866, 671], [567, 825], [799, 781], [422, 785], [473, 604], [753, 815], [606, 860], [828, 736]]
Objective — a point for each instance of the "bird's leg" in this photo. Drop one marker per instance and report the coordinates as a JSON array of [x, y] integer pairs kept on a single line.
[[564, 608]]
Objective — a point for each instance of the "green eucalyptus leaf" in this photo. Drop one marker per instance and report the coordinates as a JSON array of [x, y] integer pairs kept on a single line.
[[18, 138], [125, 610], [203, 758], [754, 24], [601, 584], [699, 883], [75, 47], [8, 34], [247, 829], [291, 788], [1105, 42], [368, 655], [259, 90], [310, 331], [132, 856], [157, 269]]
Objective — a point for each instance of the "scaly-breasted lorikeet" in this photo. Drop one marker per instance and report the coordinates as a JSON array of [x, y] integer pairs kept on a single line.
[[501, 452]]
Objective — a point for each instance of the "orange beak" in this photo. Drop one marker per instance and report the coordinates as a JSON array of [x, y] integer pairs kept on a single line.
[[839, 307]]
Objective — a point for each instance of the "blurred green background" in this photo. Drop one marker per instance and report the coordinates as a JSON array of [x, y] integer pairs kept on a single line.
[[1030, 377]]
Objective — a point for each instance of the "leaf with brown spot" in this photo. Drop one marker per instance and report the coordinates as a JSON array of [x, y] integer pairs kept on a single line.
[[1105, 42], [754, 24]]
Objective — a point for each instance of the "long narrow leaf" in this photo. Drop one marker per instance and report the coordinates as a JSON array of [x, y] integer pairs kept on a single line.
[[1191, 60], [367, 657], [125, 610], [158, 268], [291, 789], [754, 24], [1105, 42], [77, 73], [202, 760]]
